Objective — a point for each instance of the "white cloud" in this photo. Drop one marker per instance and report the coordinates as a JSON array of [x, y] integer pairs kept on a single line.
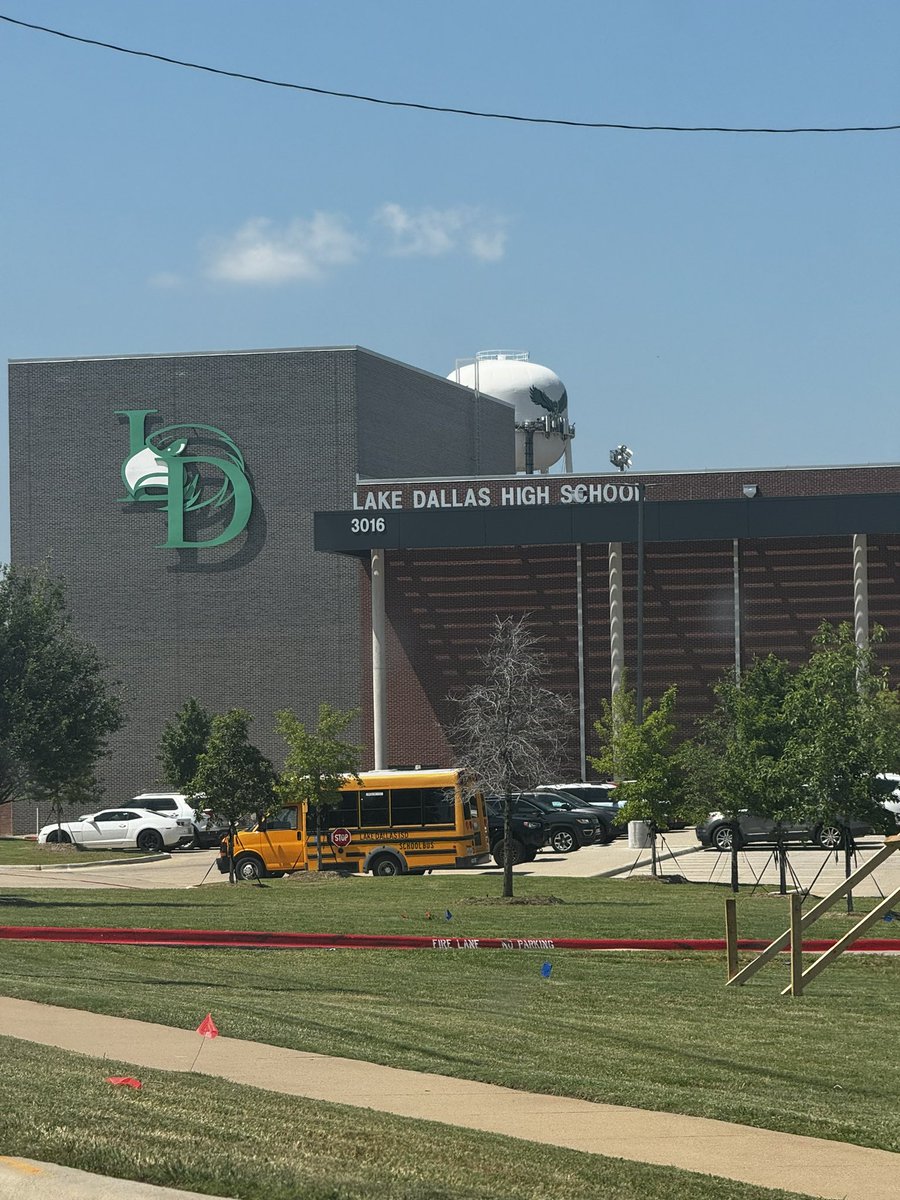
[[431, 231], [259, 252]]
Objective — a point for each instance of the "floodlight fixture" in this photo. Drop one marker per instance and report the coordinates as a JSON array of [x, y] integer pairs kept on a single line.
[[750, 490], [621, 458]]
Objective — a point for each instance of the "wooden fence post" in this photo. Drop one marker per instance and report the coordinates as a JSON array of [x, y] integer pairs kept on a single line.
[[731, 935], [796, 944]]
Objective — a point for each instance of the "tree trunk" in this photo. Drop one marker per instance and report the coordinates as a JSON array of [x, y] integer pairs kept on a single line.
[[318, 837], [654, 864], [735, 880], [507, 846], [231, 832]]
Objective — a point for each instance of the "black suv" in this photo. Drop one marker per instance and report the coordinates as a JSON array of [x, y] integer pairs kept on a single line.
[[598, 797], [528, 834], [569, 824]]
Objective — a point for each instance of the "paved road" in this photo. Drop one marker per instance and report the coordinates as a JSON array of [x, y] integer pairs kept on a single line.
[[682, 855], [184, 869], [811, 1166]]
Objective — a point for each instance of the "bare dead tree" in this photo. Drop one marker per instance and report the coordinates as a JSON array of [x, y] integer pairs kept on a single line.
[[511, 731]]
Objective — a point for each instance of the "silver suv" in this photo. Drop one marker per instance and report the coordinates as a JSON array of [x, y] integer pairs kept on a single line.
[[717, 831], [204, 833]]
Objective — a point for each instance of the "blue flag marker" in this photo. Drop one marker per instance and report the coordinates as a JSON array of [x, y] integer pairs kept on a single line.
[[448, 915], [888, 916], [546, 969]]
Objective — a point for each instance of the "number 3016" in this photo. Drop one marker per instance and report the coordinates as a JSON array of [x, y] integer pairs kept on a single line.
[[367, 525]]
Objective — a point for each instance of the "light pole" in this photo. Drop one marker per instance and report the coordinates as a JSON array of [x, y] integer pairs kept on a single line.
[[639, 657], [621, 458]]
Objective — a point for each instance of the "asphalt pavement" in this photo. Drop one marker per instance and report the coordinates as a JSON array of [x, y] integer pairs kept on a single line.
[[809, 868]]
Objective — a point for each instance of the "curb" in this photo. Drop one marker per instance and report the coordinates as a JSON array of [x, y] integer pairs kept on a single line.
[[115, 862], [248, 940]]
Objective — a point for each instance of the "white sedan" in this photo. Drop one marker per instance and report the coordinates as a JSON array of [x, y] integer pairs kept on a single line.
[[119, 829]]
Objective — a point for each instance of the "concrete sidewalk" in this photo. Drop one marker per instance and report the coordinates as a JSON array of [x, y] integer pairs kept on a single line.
[[26, 1179], [809, 1166]]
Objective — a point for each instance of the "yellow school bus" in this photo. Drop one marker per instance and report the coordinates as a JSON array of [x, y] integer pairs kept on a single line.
[[387, 822]]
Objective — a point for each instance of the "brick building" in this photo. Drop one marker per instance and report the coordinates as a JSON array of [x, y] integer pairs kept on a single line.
[[215, 518]]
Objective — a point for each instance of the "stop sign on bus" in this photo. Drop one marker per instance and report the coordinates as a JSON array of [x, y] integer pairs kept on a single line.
[[340, 838]]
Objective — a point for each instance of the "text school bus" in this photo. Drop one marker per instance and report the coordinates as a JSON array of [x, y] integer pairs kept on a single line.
[[387, 822]]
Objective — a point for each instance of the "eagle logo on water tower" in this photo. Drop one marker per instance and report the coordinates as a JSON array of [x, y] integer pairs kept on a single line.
[[182, 469]]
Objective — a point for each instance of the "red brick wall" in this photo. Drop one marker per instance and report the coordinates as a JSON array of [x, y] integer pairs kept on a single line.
[[441, 604]]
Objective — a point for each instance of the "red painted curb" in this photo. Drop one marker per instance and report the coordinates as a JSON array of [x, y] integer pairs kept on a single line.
[[363, 941]]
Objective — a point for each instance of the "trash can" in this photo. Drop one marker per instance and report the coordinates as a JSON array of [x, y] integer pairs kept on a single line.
[[638, 835]]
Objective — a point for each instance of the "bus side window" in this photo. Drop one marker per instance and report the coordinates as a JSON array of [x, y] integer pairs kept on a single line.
[[437, 806], [406, 806], [343, 814], [285, 818], [373, 808]]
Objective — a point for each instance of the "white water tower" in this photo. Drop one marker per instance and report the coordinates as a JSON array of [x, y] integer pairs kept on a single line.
[[543, 431]]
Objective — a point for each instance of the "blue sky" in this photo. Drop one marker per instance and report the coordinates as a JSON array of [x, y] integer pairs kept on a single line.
[[713, 301]]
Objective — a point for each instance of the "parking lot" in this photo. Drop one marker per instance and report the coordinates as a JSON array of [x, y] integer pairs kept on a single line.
[[183, 869], [680, 854]]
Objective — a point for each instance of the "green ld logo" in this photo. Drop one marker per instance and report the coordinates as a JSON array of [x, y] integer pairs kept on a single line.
[[182, 469]]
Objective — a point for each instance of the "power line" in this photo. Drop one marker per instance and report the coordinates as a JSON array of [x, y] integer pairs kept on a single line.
[[439, 108]]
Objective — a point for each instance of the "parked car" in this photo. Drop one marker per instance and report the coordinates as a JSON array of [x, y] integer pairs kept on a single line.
[[890, 786], [204, 832], [529, 833], [119, 829], [600, 797], [716, 831], [569, 824]]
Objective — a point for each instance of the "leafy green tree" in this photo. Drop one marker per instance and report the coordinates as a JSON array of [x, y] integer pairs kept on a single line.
[[644, 759], [732, 764], [511, 730], [57, 709], [843, 732], [318, 761], [236, 778], [183, 741]]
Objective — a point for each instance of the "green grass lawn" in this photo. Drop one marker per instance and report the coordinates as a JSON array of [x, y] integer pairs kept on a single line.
[[208, 1135], [657, 1031], [14, 852], [589, 908]]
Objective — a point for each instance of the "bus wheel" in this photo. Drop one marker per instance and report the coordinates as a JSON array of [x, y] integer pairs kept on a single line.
[[248, 866], [385, 865]]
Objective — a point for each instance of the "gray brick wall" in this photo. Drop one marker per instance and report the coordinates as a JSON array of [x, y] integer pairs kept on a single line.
[[262, 622], [416, 425]]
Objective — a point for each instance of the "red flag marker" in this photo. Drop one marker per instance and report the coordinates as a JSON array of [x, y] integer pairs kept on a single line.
[[123, 1081], [207, 1027]]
